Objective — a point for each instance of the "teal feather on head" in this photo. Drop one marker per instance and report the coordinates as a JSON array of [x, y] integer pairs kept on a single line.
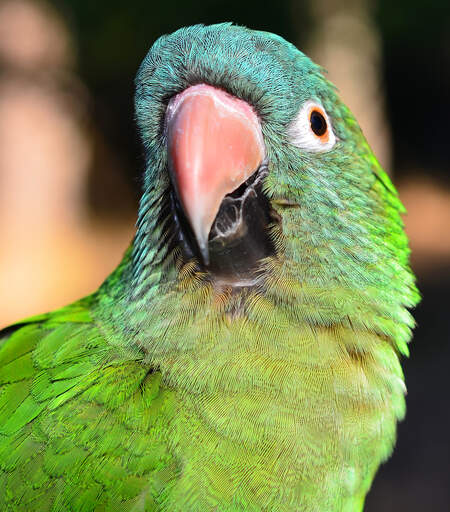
[[264, 378]]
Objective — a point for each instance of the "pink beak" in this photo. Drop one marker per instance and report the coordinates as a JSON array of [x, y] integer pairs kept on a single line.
[[214, 144]]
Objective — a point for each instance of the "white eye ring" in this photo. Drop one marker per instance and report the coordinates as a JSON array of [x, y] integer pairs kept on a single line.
[[311, 129]]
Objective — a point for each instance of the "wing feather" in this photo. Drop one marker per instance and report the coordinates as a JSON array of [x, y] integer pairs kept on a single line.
[[80, 428]]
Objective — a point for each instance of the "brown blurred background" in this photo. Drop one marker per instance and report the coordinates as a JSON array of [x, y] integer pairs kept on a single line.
[[70, 163]]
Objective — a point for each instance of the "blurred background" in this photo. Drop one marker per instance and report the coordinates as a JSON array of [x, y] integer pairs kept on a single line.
[[70, 163]]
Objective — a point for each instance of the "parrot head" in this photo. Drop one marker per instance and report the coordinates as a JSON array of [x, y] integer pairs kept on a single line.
[[257, 173]]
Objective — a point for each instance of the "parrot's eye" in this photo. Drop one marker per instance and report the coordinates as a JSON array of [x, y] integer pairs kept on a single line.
[[311, 129], [318, 123]]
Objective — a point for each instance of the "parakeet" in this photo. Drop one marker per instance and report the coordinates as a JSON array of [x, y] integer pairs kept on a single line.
[[244, 356]]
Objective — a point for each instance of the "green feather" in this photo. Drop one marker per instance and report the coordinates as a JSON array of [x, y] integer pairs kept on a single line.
[[166, 392]]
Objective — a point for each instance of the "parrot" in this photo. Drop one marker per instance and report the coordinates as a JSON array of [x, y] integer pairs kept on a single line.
[[245, 353]]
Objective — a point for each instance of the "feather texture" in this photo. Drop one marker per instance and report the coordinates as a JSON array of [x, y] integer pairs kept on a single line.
[[164, 391]]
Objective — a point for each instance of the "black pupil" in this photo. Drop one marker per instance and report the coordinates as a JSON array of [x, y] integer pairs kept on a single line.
[[318, 123]]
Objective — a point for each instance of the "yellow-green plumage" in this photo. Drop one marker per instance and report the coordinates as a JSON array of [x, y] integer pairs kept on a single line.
[[166, 391]]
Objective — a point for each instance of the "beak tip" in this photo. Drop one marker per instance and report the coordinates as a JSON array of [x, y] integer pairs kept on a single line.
[[204, 251], [201, 233]]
